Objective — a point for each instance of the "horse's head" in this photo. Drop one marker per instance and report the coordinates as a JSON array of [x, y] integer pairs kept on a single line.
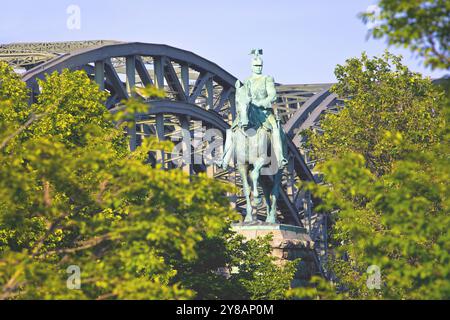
[[242, 104]]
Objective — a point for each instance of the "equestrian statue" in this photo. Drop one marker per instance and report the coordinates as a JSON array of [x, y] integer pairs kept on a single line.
[[256, 140]]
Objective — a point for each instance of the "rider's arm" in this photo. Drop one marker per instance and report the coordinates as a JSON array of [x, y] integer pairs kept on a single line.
[[271, 91]]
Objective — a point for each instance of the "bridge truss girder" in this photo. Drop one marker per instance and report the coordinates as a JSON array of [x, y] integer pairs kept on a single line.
[[197, 90], [200, 94]]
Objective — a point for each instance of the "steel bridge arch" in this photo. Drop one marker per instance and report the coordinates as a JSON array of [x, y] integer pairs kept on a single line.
[[200, 90], [135, 56], [197, 89]]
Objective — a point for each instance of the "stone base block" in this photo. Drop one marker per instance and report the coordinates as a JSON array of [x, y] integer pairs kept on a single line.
[[288, 243]]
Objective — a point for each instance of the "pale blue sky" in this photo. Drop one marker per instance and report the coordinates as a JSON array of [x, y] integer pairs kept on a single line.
[[303, 40]]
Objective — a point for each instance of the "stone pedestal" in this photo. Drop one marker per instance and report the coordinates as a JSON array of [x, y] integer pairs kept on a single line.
[[288, 243]]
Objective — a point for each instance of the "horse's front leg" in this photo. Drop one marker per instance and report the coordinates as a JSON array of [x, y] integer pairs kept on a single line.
[[228, 151], [257, 165], [243, 169]]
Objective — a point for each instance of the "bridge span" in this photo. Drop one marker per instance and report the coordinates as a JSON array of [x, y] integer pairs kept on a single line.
[[199, 96]]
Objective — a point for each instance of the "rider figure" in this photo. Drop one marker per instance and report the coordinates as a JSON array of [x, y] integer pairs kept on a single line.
[[261, 89], [260, 95]]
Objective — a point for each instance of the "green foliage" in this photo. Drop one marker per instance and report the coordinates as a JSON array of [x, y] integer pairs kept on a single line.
[[385, 102], [421, 25], [257, 271], [13, 103], [398, 222], [386, 160], [71, 193], [317, 289], [251, 271]]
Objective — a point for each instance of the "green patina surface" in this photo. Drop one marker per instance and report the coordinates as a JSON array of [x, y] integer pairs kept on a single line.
[[282, 227], [254, 134]]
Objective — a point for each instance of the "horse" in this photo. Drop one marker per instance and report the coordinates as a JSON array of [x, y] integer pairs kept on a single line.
[[250, 142]]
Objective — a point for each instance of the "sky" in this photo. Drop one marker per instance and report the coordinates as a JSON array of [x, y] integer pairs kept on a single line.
[[303, 40]]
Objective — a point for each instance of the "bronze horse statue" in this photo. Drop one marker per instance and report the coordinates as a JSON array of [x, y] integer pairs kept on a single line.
[[249, 141]]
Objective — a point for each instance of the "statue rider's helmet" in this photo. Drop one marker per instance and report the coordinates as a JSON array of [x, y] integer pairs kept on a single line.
[[257, 61]]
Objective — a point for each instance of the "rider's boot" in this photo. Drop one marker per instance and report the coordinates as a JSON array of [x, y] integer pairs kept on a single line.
[[278, 144]]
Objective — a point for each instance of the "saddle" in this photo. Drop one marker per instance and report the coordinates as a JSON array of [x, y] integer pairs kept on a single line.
[[257, 119]]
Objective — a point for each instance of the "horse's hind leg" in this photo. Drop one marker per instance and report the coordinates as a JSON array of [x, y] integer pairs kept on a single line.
[[275, 192], [243, 169], [267, 192]]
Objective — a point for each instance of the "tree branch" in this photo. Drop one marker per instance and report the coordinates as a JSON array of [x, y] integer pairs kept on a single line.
[[32, 118]]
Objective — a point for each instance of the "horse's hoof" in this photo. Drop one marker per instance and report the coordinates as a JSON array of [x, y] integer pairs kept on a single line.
[[270, 219], [257, 201], [221, 164], [283, 163], [248, 218]]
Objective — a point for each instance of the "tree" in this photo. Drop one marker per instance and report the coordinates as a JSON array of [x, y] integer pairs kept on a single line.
[[384, 160], [421, 25], [251, 271], [398, 223], [72, 194], [383, 97], [385, 167], [258, 272]]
